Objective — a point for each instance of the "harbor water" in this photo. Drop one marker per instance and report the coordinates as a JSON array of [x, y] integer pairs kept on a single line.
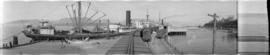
[[200, 41]]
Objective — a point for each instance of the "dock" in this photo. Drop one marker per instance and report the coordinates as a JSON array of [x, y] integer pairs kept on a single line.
[[134, 43], [130, 44]]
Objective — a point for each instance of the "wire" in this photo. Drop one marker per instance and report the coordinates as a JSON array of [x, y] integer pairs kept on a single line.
[[70, 15]]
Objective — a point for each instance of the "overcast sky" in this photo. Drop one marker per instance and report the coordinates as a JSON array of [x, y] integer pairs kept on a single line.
[[185, 12]]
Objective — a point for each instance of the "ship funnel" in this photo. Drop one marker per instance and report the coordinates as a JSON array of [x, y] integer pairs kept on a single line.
[[128, 20]]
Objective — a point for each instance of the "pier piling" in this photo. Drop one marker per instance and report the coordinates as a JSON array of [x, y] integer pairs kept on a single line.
[[10, 44], [4, 45], [15, 40]]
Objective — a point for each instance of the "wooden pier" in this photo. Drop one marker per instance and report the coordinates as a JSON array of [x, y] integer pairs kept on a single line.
[[130, 44]]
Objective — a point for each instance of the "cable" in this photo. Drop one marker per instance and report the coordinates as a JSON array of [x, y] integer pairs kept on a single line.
[[69, 15], [87, 9], [74, 13], [99, 18], [92, 16]]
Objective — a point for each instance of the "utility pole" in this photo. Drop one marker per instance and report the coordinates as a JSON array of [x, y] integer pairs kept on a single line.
[[214, 16]]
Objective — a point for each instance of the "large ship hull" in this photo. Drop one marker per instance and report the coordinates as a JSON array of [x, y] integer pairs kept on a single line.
[[68, 36]]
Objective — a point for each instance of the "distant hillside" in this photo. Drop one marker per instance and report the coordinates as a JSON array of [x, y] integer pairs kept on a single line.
[[63, 21], [67, 21], [29, 21]]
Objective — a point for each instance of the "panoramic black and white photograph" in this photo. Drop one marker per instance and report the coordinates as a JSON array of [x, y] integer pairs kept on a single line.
[[129, 27]]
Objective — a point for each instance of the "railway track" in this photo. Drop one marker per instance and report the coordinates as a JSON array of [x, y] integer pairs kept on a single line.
[[172, 48], [163, 46], [130, 49], [129, 44]]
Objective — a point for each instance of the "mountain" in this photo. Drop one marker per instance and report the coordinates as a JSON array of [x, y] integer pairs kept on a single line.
[[67, 21], [28, 21], [60, 22]]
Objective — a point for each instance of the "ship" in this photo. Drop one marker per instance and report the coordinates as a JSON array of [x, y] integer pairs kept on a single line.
[[48, 32]]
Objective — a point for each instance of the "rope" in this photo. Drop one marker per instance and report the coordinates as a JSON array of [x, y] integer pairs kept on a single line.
[[87, 9], [70, 15], [92, 16], [74, 13], [98, 19]]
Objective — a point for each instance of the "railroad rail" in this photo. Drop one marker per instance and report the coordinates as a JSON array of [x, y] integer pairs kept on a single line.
[[129, 44], [130, 49]]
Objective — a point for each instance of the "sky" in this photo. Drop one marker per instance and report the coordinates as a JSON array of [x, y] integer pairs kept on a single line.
[[184, 11]]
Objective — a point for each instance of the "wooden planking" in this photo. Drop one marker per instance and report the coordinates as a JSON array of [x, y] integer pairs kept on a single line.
[[140, 47], [122, 45]]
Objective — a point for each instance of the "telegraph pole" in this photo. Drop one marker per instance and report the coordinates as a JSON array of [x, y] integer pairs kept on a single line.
[[214, 16]]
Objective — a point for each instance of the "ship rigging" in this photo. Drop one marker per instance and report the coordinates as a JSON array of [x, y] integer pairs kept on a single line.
[[75, 13]]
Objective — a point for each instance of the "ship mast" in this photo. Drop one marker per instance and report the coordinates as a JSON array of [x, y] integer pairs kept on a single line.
[[79, 18], [76, 10], [108, 25], [147, 15]]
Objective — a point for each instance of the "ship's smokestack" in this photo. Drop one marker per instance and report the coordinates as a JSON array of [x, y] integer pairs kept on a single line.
[[128, 20]]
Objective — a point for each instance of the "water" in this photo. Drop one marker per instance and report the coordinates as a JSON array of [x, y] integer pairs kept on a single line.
[[94, 46], [199, 41]]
